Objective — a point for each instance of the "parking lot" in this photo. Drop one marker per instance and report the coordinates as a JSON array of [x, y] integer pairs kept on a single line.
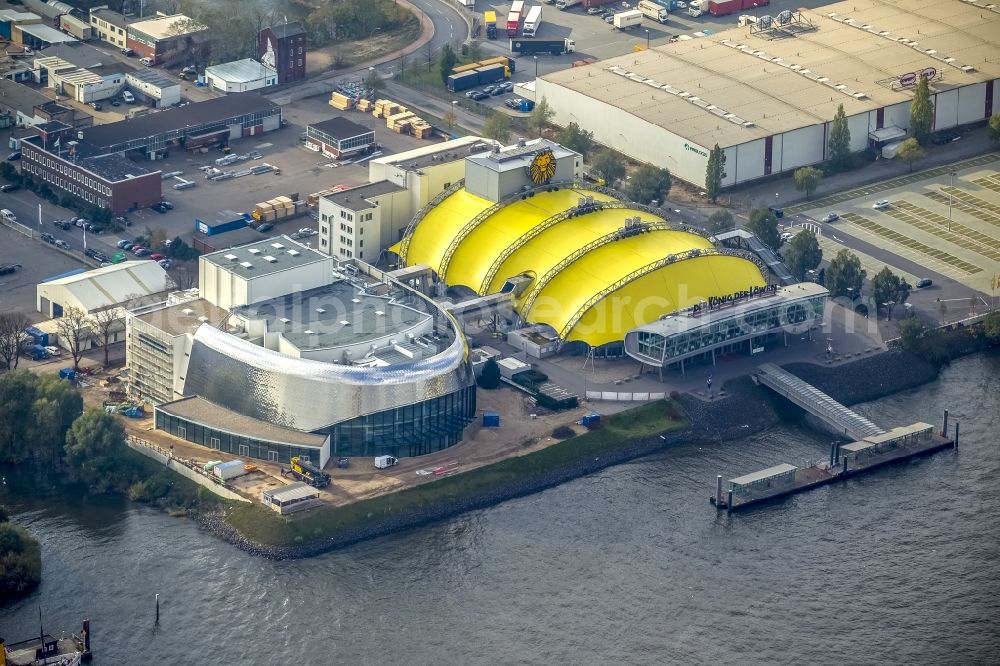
[[935, 222], [38, 261]]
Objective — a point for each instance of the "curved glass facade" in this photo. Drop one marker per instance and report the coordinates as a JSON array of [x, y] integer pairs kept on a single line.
[[412, 430]]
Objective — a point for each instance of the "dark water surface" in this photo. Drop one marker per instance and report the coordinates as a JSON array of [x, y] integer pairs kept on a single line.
[[628, 566]]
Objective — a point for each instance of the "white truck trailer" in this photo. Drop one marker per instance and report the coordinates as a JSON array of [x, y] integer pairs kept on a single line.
[[566, 4], [628, 20], [532, 22], [653, 10]]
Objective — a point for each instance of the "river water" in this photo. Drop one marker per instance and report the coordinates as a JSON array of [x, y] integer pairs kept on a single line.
[[628, 566]]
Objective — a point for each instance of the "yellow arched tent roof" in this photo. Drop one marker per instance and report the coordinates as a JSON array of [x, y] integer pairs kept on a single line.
[[607, 290]]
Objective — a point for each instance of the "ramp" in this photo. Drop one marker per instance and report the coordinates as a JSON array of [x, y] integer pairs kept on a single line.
[[817, 403]]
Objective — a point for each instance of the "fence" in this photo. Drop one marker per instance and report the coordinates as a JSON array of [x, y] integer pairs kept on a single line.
[[18, 227], [182, 467], [631, 396]]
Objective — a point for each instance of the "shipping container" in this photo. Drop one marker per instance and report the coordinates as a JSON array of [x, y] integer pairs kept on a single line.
[[491, 420], [587, 4], [229, 470], [38, 336], [219, 226], [463, 81], [535, 46], [532, 21]]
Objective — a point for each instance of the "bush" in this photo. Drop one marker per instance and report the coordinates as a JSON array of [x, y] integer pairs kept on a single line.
[[563, 432], [20, 561], [490, 377], [674, 395]]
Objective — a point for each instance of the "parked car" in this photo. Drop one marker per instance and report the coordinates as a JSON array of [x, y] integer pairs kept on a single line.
[[830, 217], [63, 224], [165, 263], [124, 244], [142, 252], [498, 90], [156, 256], [513, 103], [9, 187], [787, 236], [128, 97], [115, 102], [489, 90], [945, 136], [167, 205], [470, 93], [96, 106], [923, 283], [61, 243], [594, 10], [778, 212], [264, 228], [881, 204], [128, 52], [609, 18], [508, 87], [48, 238], [159, 208], [306, 231], [16, 155], [479, 95]]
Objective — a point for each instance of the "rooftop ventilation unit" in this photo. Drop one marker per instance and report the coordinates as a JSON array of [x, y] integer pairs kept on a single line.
[[254, 251], [321, 310], [268, 258], [344, 322], [294, 253], [231, 257], [246, 264], [308, 332], [355, 300], [379, 313], [285, 320], [277, 246], [203, 319], [187, 311]]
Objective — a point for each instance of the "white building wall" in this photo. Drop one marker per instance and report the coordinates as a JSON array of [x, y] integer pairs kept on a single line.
[[797, 148], [746, 163], [858, 125], [897, 115], [945, 109], [298, 278], [95, 92], [167, 96], [972, 103]]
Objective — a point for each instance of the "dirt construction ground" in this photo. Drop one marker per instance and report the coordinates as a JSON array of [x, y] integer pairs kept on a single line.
[[523, 428]]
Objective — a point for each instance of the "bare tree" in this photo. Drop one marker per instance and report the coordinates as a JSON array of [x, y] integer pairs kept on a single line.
[[74, 329], [105, 323], [12, 337], [183, 275]]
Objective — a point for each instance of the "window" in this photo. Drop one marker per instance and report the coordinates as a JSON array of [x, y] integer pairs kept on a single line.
[[323, 242], [300, 51], [244, 450], [215, 442], [272, 456]]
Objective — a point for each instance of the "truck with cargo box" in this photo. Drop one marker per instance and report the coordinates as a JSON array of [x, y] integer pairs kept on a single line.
[[628, 20], [726, 7], [491, 73], [229, 470], [513, 24], [653, 10], [532, 22], [490, 19], [536, 46], [566, 4]]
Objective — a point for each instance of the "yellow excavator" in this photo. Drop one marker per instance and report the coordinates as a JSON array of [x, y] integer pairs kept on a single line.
[[303, 470]]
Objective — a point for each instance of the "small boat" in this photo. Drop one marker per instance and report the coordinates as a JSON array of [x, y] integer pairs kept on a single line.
[[46, 650]]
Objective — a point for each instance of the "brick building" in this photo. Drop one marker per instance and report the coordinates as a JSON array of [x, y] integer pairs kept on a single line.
[[283, 47], [168, 40]]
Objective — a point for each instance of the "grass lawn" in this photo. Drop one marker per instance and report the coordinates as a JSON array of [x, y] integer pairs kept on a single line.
[[345, 54], [265, 526]]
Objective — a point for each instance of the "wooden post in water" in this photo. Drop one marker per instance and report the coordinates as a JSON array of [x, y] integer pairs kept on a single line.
[[944, 430], [833, 453], [729, 501], [157, 608], [956, 435], [718, 489], [86, 636], [845, 466]]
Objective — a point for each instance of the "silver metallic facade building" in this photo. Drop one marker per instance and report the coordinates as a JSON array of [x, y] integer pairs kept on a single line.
[[281, 341]]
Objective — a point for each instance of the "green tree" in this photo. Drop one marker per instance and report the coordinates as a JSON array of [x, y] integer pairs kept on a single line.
[[648, 184], [541, 115], [844, 275], [911, 330], [575, 138], [991, 326], [720, 221], [12, 338], [17, 396], [807, 180], [715, 172], [886, 288], [803, 254], [910, 151], [764, 225], [56, 406], [609, 166], [497, 127], [995, 128], [97, 453], [74, 327], [840, 140], [20, 562], [921, 112], [489, 378], [447, 62]]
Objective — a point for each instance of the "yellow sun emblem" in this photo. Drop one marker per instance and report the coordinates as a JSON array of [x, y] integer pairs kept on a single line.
[[543, 167]]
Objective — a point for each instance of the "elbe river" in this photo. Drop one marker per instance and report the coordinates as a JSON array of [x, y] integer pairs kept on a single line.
[[628, 566]]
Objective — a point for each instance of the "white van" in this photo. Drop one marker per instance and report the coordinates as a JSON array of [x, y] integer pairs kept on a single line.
[[148, 62], [128, 97], [8, 215], [384, 462]]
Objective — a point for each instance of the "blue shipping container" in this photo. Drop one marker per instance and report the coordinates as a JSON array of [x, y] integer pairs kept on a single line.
[[218, 227], [491, 420], [463, 81], [527, 105], [491, 73]]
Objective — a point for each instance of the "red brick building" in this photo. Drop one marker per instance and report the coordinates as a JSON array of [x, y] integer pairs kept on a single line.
[[283, 47]]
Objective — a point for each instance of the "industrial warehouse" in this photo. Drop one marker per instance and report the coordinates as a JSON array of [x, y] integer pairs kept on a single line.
[[767, 93], [282, 353]]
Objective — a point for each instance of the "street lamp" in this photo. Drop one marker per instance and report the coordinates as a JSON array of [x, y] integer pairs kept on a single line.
[[647, 39], [536, 66], [951, 196]]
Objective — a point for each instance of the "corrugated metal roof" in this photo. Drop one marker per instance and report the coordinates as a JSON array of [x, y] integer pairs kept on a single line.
[[292, 491], [763, 474], [111, 285]]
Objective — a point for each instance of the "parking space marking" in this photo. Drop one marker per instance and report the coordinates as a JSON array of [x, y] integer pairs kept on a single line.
[[871, 265], [886, 185], [976, 202], [966, 238], [906, 241], [965, 207]]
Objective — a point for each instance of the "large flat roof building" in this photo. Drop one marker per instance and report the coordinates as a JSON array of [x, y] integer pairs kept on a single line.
[[767, 93]]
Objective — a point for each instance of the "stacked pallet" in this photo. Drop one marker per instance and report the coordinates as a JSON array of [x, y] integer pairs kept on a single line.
[[313, 199], [364, 105], [264, 212], [421, 128], [274, 209], [400, 122], [340, 102], [386, 107]]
